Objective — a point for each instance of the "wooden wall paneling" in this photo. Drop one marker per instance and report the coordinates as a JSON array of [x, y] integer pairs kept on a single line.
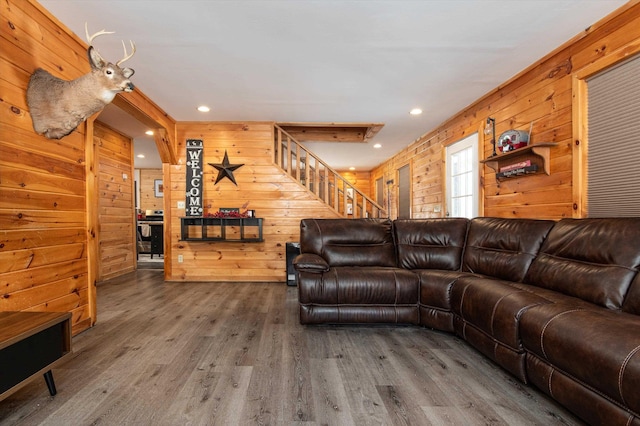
[[580, 144], [481, 171], [34, 257], [262, 186], [57, 38], [169, 218], [165, 142], [92, 218], [116, 236], [49, 188], [17, 176], [37, 295], [361, 181], [148, 199], [34, 226], [43, 158], [543, 94], [147, 112], [37, 276], [44, 254], [425, 160], [610, 38]]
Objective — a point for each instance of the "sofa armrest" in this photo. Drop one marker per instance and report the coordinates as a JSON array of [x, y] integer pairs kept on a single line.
[[310, 262]]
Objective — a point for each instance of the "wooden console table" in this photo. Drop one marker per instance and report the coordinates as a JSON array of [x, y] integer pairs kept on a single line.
[[32, 343]]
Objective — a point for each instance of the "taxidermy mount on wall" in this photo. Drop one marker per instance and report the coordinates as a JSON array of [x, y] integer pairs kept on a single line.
[[58, 106]]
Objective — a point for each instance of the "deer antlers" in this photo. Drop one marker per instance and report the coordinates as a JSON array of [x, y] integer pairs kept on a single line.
[[102, 32], [99, 33], [127, 57]]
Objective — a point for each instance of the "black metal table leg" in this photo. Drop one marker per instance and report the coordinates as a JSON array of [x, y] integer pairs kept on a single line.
[[48, 377]]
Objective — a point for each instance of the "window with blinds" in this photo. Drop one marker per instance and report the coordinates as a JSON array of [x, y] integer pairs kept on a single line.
[[613, 160]]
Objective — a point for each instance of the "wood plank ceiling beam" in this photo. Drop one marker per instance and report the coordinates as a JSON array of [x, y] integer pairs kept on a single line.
[[332, 132]]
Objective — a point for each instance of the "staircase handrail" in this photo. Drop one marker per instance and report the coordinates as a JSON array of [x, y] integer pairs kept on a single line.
[[331, 188]]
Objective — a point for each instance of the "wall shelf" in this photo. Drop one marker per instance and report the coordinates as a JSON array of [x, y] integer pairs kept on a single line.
[[537, 155], [230, 229]]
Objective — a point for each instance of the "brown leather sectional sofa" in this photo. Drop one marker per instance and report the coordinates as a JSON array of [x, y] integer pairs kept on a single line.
[[555, 303]]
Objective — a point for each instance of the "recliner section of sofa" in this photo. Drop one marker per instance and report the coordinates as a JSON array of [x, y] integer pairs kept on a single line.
[[432, 249], [487, 306], [347, 274], [557, 304], [590, 335]]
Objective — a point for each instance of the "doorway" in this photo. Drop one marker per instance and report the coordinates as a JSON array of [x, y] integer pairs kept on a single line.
[[145, 219], [404, 192]]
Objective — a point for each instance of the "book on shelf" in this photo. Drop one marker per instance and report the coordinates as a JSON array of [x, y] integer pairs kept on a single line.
[[517, 171], [518, 165]]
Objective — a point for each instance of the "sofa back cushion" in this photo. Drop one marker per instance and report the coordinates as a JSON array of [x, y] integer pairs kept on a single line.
[[592, 259], [349, 242], [430, 243], [503, 248], [632, 299]]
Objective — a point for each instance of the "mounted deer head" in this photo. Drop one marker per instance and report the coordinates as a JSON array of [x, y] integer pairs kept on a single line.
[[58, 106]]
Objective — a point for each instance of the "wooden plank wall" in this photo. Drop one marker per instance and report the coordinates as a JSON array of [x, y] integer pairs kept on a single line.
[[262, 186], [359, 179], [542, 95], [43, 235], [148, 199], [116, 235]]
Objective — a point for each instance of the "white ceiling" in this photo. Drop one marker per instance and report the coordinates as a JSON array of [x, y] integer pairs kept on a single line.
[[328, 60]]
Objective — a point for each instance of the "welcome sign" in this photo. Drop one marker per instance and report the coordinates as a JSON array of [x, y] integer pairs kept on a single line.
[[194, 178]]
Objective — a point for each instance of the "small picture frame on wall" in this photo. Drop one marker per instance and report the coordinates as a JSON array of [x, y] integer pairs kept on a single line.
[[158, 188]]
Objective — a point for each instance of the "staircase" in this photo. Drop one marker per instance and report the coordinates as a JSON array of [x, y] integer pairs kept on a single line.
[[321, 180]]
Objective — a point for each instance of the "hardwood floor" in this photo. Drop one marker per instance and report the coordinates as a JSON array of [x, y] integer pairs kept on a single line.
[[235, 354]]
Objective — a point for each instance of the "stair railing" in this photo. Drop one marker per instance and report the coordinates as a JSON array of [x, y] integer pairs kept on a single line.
[[318, 178]]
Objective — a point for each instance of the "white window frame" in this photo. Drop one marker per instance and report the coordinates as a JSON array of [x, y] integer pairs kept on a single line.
[[470, 142]]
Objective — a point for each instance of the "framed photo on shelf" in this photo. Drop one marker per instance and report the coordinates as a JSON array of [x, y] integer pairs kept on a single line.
[[158, 188]]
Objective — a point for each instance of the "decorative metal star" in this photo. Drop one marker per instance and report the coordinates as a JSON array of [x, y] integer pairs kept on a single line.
[[225, 169]]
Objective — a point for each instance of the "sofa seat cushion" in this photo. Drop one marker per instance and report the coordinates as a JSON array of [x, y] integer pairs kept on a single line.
[[493, 306], [487, 313], [359, 295], [589, 404], [435, 287], [360, 286], [598, 347], [435, 297], [348, 314]]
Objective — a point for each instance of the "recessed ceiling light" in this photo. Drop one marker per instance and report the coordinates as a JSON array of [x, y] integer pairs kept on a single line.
[[140, 155], [149, 132], [377, 146], [415, 111], [204, 108]]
